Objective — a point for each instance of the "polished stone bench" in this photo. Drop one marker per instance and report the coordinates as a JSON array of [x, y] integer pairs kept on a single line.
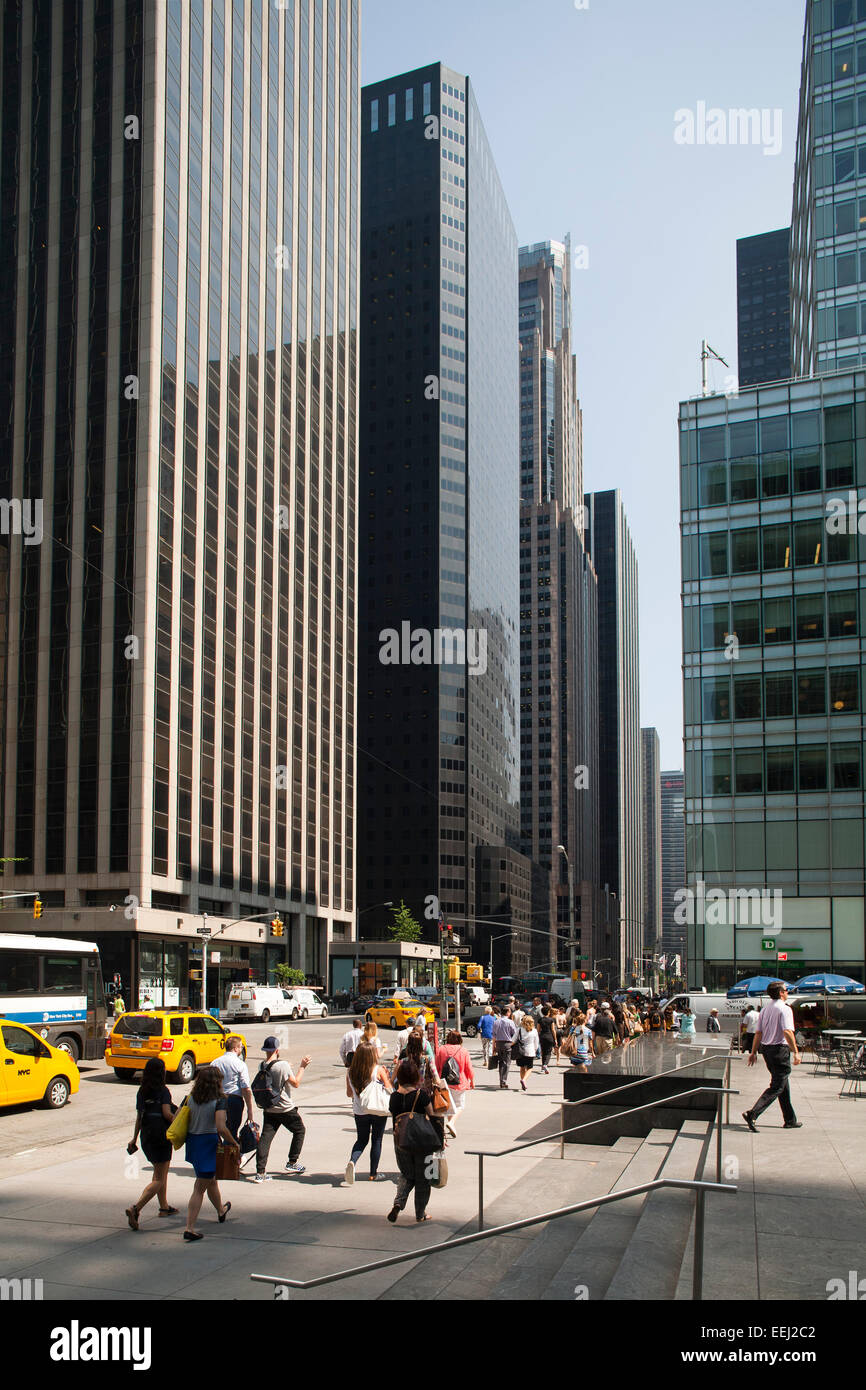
[[646, 1060]]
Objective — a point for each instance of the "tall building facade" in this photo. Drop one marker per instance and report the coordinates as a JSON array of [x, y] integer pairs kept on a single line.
[[771, 485], [673, 941], [620, 934], [439, 497], [558, 615], [828, 265], [764, 307], [179, 187], [651, 811]]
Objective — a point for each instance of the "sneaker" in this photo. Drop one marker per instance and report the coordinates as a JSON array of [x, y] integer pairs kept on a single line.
[[350, 1172], [262, 1177], [747, 1116], [295, 1168], [793, 1124]]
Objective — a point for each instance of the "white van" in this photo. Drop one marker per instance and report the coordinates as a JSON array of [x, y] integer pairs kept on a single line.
[[730, 1010], [262, 1002]]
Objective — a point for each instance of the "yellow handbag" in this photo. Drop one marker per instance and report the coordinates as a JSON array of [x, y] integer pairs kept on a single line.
[[179, 1127]]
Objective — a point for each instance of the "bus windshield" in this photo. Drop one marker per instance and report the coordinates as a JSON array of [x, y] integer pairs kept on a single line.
[[54, 984]]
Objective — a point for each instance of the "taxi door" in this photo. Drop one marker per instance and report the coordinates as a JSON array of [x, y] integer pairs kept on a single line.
[[199, 1041], [215, 1039], [27, 1064]]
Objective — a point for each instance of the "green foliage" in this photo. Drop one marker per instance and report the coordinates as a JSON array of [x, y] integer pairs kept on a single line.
[[288, 975], [404, 926]]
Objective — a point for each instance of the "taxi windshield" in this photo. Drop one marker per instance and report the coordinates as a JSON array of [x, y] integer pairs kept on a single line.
[[138, 1025]]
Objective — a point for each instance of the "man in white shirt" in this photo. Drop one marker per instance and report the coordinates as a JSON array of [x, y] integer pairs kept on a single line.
[[775, 1038], [350, 1040], [283, 1111], [236, 1085], [751, 1022]]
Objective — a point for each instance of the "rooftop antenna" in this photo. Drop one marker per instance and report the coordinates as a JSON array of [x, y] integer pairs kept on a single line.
[[706, 353]]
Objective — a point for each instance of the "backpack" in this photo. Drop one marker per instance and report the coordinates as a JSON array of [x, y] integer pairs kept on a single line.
[[451, 1072], [265, 1096]]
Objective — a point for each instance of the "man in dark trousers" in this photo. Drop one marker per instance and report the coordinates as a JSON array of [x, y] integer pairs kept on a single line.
[[283, 1112], [504, 1037], [775, 1039]]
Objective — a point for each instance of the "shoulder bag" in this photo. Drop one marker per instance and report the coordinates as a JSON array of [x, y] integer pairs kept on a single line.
[[179, 1127], [374, 1097], [415, 1132]]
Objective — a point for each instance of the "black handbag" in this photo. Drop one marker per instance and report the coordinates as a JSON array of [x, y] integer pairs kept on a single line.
[[415, 1132], [248, 1138]]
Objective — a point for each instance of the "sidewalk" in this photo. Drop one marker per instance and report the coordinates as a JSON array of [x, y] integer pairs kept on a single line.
[[799, 1218], [64, 1222]]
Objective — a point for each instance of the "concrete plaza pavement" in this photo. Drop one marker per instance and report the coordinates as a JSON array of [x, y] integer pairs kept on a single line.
[[798, 1220]]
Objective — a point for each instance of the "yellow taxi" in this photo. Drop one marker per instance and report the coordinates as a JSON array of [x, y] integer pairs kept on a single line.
[[397, 1012], [184, 1038], [32, 1070]]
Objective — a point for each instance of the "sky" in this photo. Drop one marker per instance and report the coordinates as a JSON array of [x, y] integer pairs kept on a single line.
[[580, 106]]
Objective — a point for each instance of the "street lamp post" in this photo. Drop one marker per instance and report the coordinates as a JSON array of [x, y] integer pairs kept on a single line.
[[562, 851]]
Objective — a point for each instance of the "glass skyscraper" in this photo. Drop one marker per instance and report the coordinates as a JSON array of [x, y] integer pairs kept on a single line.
[[764, 307], [178, 293], [439, 499], [771, 481]]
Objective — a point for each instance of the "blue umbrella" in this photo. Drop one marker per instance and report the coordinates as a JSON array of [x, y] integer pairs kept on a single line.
[[755, 984], [823, 983]]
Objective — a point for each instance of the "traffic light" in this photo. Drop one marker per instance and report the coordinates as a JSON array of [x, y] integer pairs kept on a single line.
[[454, 972], [277, 927], [37, 907]]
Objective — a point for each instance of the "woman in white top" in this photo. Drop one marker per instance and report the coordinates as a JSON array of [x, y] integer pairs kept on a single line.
[[370, 1126], [371, 1035], [527, 1047]]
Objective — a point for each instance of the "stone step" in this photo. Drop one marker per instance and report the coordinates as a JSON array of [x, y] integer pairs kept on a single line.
[[593, 1259], [652, 1261]]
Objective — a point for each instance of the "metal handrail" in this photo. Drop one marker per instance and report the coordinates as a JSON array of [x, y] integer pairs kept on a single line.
[[699, 1188], [719, 1091]]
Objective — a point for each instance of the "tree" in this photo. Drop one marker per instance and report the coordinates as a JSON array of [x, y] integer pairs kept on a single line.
[[404, 927], [288, 975]]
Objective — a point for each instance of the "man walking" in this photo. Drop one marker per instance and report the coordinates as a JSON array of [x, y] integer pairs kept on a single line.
[[350, 1040], [485, 1032], [775, 1038], [713, 1024], [280, 1109], [603, 1030], [504, 1036], [236, 1085]]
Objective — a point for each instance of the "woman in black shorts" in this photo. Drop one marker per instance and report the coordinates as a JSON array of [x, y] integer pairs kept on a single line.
[[153, 1115]]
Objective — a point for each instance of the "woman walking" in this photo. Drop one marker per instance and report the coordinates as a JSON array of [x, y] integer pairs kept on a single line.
[[207, 1124], [454, 1065], [370, 1126], [560, 1030], [153, 1115], [585, 1051], [687, 1023], [410, 1095], [547, 1036], [527, 1047]]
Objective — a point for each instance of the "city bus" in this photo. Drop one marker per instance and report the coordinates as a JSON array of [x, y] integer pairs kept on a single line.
[[55, 987]]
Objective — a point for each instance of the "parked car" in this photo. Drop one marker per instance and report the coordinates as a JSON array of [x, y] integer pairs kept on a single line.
[[260, 1002], [305, 1003], [32, 1070], [184, 1038]]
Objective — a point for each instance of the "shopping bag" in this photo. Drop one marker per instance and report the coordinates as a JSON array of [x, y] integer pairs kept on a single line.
[[228, 1163], [179, 1127]]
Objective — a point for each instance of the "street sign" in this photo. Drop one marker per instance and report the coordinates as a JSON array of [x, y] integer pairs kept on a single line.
[[768, 943], [203, 931], [215, 957], [458, 951], [781, 955]]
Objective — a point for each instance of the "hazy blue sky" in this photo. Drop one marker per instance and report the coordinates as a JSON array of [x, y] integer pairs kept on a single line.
[[579, 108]]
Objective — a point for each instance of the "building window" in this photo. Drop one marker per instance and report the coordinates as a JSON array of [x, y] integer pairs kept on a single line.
[[392, 108], [812, 769], [374, 116], [426, 98], [717, 774], [410, 103]]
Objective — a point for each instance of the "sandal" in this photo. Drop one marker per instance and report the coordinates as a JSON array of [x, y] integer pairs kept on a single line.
[[419, 1219], [226, 1209], [193, 1235], [168, 1211], [132, 1215]]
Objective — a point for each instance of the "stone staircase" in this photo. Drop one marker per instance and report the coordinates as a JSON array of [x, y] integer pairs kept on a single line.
[[628, 1250]]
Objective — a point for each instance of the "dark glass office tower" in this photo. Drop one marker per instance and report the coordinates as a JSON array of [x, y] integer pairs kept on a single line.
[[438, 499], [620, 936], [178, 294], [764, 307], [558, 597]]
